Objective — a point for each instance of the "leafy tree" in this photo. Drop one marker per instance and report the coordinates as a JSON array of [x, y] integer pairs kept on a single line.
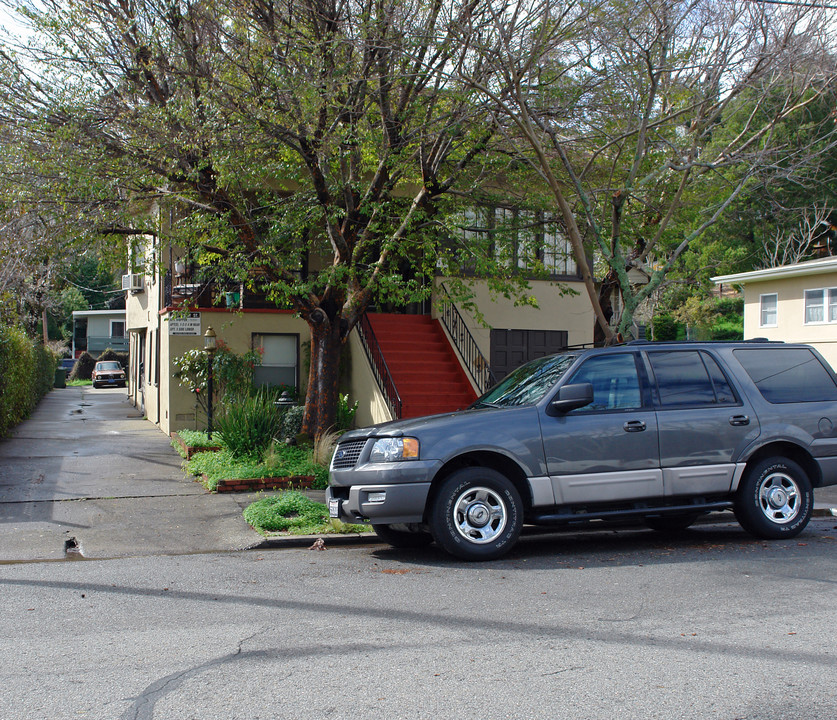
[[267, 135]]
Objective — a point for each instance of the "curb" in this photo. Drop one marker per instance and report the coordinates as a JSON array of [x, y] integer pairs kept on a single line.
[[307, 541], [370, 538]]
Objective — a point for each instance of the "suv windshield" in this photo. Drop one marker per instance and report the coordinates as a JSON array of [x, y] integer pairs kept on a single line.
[[528, 383]]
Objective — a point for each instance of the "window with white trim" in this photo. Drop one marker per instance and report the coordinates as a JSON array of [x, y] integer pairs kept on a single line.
[[769, 308], [280, 359], [821, 306]]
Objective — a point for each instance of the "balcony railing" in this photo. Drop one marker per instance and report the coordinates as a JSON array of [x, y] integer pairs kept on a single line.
[[100, 343]]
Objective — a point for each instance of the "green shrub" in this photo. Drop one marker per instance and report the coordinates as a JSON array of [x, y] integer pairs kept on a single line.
[[727, 329], [27, 373], [345, 413], [292, 421], [249, 424], [110, 354], [83, 369], [295, 513], [664, 327]]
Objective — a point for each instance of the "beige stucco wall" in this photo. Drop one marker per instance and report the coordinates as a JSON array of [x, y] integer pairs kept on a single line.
[[790, 316], [570, 312], [363, 388], [233, 328]]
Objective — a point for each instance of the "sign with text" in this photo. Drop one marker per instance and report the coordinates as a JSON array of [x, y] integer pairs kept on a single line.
[[189, 325]]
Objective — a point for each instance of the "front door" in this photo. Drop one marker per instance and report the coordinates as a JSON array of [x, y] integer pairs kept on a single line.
[[608, 450]]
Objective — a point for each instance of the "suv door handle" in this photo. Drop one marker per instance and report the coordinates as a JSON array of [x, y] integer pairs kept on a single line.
[[634, 426], [739, 420]]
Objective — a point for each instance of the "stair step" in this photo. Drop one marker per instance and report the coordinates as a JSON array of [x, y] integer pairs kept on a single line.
[[423, 364]]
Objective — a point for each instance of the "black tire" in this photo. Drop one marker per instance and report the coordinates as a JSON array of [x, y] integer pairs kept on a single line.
[[672, 524], [774, 499], [477, 514], [403, 536]]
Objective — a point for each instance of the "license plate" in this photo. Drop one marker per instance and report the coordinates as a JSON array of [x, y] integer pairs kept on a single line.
[[334, 508]]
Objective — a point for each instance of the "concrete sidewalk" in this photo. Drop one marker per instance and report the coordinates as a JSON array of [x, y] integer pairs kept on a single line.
[[86, 469]]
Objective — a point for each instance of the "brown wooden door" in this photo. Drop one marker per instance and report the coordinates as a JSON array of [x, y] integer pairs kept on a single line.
[[512, 348]]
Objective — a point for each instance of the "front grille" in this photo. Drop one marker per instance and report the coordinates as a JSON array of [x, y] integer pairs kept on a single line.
[[347, 454]]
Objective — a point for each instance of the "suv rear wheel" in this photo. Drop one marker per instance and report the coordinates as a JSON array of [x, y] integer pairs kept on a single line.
[[774, 499], [477, 514]]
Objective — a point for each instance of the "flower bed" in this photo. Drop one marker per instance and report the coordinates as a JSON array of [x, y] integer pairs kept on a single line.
[[294, 482], [189, 450]]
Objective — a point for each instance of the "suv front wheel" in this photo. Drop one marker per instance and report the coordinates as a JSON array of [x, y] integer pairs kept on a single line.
[[774, 499], [477, 514]]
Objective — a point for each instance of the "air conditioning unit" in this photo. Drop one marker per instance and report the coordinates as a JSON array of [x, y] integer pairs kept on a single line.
[[132, 282]]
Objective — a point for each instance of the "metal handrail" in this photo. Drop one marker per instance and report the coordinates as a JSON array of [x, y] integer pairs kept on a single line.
[[475, 362], [379, 366]]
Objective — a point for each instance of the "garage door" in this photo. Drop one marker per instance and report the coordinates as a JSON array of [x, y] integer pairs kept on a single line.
[[512, 348]]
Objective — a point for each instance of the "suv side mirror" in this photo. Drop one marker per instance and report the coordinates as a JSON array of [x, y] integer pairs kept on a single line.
[[571, 397]]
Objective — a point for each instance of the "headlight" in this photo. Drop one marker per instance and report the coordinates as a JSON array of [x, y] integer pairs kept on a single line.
[[391, 449]]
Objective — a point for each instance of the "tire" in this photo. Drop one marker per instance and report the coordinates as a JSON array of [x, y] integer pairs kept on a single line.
[[775, 499], [477, 514], [403, 536], [671, 524]]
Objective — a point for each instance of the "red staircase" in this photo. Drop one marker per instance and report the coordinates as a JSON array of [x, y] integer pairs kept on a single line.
[[423, 365]]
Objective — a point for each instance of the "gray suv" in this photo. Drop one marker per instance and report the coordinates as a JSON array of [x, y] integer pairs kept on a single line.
[[656, 432]]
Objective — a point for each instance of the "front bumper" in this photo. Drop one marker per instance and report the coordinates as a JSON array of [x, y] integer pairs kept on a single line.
[[381, 493]]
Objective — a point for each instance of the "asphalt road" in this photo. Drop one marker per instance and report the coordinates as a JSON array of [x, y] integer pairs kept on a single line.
[[167, 619], [602, 625]]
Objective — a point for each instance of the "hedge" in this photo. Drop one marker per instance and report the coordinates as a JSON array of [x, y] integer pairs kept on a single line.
[[27, 373]]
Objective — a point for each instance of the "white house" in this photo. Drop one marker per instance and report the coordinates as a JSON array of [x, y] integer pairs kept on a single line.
[[793, 303]]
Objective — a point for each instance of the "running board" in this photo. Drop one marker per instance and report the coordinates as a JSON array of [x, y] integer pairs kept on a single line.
[[562, 518]]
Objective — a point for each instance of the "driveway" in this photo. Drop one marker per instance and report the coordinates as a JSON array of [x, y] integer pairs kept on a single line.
[[86, 470]]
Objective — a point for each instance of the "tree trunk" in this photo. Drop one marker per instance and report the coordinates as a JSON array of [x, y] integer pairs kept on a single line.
[[324, 374]]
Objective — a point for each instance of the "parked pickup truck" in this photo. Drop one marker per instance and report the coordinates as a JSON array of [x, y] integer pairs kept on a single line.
[[661, 433]]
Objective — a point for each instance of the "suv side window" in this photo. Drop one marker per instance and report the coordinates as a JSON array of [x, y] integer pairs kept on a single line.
[[786, 375], [689, 378], [615, 382]]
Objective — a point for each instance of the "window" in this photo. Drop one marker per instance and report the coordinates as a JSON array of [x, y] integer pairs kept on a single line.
[[821, 306], [688, 378], [785, 375], [516, 238], [614, 380], [280, 360], [769, 310], [117, 328]]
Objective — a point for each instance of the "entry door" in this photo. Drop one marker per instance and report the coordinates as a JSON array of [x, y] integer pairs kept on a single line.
[[608, 450]]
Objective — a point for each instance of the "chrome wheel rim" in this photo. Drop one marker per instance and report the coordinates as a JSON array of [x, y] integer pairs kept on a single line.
[[480, 515], [779, 498]]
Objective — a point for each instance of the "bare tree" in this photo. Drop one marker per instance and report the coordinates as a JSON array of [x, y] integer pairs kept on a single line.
[[647, 120], [787, 248]]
